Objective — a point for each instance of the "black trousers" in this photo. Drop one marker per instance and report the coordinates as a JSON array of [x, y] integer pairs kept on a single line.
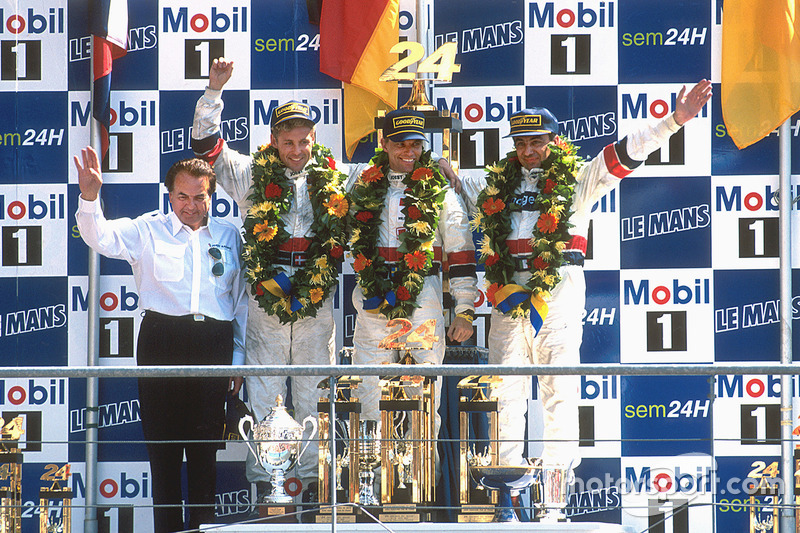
[[176, 412]]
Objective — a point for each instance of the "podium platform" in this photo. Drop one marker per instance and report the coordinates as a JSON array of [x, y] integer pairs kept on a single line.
[[533, 527]]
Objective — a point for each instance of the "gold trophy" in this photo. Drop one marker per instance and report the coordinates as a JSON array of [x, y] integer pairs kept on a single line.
[[345, 462], [55, 492], [763, 508], [477, 502], [11, 475], [441, 63], [408, 443]]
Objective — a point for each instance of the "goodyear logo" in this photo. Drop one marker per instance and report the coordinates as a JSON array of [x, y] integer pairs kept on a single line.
[[414, 122], [293, 107], [526, 120]]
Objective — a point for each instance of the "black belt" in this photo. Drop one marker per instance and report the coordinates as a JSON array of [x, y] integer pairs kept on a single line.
[[432, 271], [295, 259], [570, 258], [197, 317]]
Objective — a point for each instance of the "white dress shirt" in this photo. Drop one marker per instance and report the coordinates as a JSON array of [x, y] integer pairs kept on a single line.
[[172, 265]]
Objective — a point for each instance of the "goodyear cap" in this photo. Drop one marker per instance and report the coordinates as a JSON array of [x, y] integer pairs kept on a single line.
[[403, 124], [289, 110], [536, 121]]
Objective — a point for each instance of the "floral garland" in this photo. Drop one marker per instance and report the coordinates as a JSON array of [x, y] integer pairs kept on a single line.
[[550, 234], [301, 295], [395, 294]]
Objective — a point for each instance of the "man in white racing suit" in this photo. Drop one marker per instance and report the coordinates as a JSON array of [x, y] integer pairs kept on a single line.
[[513, 341], [399, 162]]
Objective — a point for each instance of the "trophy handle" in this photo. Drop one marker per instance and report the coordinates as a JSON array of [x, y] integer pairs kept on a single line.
[[313, 420], [243, 433]]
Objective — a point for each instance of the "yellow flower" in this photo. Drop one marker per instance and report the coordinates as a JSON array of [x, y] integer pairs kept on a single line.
[[315, 295], [264, 232], [272, 159], [546, 255], [316, 279], [261, 161], [420, 227], [491, 190], [476, 221], [550, 280], [261, 210], [414, 278], [337, 205], [497, 169], [426, 246], [321, 262], [556, 209], [560, 246], [355, 236], [486, 246]]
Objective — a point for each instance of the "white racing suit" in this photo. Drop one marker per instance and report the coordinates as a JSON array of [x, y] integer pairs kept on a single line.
[[454, 238], [512, 341], [308, 341]]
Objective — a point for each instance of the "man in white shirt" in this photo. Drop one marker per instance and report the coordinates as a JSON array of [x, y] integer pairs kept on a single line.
[[188, 272]]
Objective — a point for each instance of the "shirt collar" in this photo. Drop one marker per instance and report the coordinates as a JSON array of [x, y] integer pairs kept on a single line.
[[176, 224]]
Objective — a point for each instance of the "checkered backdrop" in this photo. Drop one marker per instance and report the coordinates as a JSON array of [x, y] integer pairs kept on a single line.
[[682, 264]]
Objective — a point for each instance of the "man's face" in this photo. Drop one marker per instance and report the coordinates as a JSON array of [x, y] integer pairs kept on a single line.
[[532, 150], [190, 199], [402, 155], [294, 147]]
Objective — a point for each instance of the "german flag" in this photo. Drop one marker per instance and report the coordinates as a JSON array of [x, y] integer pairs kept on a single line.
[[355, 39], [760, 67]]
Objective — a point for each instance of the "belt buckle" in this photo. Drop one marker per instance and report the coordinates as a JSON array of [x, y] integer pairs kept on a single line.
[[198, 317]]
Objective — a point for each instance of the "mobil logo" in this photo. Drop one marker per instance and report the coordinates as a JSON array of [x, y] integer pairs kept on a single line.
[[232, 19], [126, 114], [734, 198], [35, 207], [642, 105], [220, 207], [123, 300], [125, 485], [699, 292], [605, 388], [753, 387], [583, 15], [34, 392], [32, 22], [326, 113], [662, 480], [489, 110]]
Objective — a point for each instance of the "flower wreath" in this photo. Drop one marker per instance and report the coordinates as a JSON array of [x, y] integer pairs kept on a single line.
[[394, 292], [550, 234], [301, 295]]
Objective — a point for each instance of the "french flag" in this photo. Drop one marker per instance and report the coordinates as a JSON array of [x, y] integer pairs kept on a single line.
[[108, 21]]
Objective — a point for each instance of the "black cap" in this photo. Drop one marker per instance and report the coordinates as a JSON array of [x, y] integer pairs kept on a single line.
[[289, 110], [536, 121], [403, 124]]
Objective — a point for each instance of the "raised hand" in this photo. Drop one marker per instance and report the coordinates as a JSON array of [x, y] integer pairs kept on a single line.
[[90, 178], [220, 73], [688, 105]]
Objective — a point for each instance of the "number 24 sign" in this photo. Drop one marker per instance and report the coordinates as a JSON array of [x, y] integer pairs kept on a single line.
[[424, 334]]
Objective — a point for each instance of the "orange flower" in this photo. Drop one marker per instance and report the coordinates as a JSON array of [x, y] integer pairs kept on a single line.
[[493, 205], [416, 260], [337, 205], [547, 223], [264, 232], [422, 173], [361, 263], [372, 174], [315, 294], [490, 292]]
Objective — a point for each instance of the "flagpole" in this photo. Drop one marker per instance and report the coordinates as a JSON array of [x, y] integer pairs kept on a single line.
[[91, 417], [787, 522]]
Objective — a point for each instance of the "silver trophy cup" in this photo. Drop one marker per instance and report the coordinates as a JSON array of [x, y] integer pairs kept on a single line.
[[369, 456], [277, 445]]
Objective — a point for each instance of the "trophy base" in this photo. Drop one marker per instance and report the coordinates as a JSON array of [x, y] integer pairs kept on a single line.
[[476, 513], [402, 513], [344, 515], [277, 513]]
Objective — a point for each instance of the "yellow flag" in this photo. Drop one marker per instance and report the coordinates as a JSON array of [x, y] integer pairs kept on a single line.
[[760, 67]]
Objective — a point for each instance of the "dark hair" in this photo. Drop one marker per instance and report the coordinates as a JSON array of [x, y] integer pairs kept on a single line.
[[196, 168], [291, 124]]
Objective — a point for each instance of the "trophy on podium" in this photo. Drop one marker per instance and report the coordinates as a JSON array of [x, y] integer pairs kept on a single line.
[[345, 461], [369, 455], [277, 449], [55, 492], [11, 475]]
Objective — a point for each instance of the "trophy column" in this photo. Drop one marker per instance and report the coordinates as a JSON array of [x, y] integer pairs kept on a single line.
[[11, 476]]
